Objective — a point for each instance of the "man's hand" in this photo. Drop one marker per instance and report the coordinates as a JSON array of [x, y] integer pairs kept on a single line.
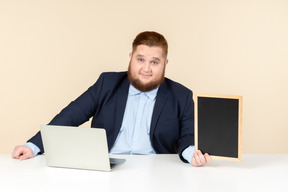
[[22, 152], [199, 159]]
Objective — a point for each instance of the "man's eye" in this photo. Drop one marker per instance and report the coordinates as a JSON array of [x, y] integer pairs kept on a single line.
[[140, 60], [154, 63]]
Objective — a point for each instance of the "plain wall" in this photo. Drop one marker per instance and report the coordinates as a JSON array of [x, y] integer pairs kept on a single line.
[[51, 51]]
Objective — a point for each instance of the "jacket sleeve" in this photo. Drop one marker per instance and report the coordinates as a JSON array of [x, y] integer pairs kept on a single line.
[[186, 126], [76, 113]]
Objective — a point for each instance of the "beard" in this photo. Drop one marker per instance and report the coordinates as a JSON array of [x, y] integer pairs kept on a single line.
[[145, 87]]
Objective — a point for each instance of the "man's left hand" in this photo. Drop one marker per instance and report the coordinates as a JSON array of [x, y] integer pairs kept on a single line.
[[199, 159]]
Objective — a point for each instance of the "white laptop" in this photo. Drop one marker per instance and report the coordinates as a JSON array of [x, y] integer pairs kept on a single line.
[[77, 147]]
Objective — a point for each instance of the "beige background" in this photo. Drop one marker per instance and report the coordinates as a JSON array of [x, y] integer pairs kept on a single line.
[[51, 51]]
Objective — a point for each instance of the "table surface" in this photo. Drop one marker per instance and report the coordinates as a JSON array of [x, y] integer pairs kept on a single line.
[[149, 173]]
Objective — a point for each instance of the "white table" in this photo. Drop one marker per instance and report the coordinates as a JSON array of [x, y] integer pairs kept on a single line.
[[161, 173]]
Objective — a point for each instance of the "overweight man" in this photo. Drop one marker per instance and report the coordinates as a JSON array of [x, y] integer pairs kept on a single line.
[[142, 111]]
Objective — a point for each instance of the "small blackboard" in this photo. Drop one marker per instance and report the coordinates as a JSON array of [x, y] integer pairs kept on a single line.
[[218, 122]]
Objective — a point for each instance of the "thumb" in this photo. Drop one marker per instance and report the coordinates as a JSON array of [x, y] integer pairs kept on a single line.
[[26, 155]]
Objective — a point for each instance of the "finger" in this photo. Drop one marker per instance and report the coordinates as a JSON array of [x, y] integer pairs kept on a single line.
[[201, 157], [194, 163], [25, 156], [207, 157], [17, 152], [27, 153], [197, 158], [13, 153]]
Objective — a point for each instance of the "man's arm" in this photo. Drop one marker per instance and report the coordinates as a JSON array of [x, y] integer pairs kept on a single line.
[[195, 158], [76, 113]]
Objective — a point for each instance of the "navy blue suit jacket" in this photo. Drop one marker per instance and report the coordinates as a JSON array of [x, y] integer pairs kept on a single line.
[[172, 124]]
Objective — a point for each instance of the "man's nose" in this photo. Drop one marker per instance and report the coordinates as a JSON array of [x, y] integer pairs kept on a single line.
[[147, 67]]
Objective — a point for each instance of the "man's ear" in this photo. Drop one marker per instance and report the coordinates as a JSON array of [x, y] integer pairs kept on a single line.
[[130, 55], [166, 62]]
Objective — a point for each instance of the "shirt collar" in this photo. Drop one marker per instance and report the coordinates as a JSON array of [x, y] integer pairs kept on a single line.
[[151, 94]]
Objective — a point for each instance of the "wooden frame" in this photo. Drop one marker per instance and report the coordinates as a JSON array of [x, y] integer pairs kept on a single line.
[[228, 109]]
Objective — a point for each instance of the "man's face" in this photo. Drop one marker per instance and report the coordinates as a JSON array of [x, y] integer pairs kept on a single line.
[[147, 68]]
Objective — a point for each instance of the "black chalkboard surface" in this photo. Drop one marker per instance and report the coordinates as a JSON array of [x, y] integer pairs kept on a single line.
[[218, 121]]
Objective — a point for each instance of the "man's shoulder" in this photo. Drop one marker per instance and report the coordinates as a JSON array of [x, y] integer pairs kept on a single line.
[[175, 86], [113, 74], [112, 79]]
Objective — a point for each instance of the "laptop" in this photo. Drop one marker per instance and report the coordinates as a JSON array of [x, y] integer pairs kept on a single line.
[[77, 147]]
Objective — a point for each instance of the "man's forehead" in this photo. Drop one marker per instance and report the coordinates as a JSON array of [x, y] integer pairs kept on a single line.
[[147, 51]]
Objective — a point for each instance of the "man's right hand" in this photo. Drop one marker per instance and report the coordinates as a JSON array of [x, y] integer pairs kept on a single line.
[[22, 152]]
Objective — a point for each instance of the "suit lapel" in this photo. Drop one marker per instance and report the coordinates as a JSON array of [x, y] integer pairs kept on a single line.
[[122, 95], [159, 104]]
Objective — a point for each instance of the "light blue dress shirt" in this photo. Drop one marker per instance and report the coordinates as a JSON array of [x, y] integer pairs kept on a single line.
[[34, 148], [134, 134]]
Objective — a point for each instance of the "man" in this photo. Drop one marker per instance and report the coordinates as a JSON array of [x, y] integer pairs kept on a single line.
[[142, 111]]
